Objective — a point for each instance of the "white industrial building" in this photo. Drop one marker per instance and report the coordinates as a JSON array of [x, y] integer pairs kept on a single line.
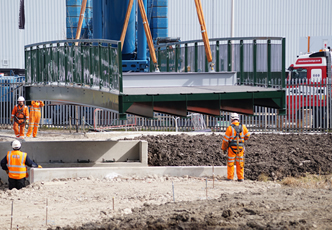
[[45, 20]]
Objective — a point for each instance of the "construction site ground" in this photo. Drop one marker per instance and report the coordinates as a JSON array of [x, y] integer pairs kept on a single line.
[[269, 198]]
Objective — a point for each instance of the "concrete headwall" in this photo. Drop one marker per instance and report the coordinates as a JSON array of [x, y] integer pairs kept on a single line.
[[58, 154]]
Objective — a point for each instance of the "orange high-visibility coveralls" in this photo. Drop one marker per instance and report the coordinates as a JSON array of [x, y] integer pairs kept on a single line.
[[20, 114], [34, 117], [230, 142]]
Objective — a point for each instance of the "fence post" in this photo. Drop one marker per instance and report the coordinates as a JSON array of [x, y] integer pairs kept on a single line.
[[255, 61], [58, 53], [31, 60], [229, 55], [269, 59], [66, 63], [120, 68], [186, 57], [176, 57], [167, 59], [217, 57], [82, 65], [241, 62], [37, 68], [283, 62], [51, 62], [99, 64], [196, 57]]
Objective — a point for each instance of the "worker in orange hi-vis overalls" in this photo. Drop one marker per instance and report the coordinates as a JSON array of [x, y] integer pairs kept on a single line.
[[233, 141], [34, 117], [20, 115]]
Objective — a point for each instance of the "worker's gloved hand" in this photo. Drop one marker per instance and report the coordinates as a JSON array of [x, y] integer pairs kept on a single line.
[[7, 171], [39, 166], [11, 119], [27, 122]]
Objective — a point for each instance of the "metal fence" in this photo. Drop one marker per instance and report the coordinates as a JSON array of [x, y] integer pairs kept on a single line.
[[85, 63], [257, 60], [309, 109]]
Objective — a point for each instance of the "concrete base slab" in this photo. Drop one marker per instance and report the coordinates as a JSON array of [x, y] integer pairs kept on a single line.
[[48, 174]]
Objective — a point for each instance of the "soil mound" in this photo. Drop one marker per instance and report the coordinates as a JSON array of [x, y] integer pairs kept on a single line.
[[274, 155]]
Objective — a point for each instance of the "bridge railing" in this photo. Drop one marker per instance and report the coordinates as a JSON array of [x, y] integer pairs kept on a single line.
[[258, 61], [81, 63]]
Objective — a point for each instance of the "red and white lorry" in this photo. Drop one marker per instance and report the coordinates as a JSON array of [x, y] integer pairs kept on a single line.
[[309, 89]]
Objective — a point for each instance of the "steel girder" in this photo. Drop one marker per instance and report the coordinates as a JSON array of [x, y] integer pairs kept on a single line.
[[210, 104]]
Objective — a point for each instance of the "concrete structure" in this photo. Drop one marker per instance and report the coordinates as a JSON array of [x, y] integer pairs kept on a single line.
[[59, 154], [48, 174], [59, 158]]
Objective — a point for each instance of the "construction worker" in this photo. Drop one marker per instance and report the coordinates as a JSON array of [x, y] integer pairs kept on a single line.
[[20, 115], [233, 141], [34, 118], [14, 163]]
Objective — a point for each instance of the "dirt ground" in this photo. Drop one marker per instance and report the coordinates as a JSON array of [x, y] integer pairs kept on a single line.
[[275, 155], [188, 203]]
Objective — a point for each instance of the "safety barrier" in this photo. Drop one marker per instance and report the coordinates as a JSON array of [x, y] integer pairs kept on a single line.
[[83, 63], [258, 61]]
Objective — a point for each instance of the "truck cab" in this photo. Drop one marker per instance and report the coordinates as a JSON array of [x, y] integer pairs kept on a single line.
[[307, 88], [312, 67]]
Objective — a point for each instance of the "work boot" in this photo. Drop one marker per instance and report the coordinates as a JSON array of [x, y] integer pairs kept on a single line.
[[229, 179], [240, 180]]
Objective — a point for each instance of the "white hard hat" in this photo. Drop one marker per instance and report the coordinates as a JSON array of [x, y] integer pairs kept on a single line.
[[16, 144], [21, 99], [235, 116]]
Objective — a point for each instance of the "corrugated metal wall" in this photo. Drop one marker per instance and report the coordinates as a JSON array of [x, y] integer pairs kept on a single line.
[[44, 21], [291, 19]]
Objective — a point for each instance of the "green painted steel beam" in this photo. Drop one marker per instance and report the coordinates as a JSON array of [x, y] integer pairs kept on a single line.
[[275, 96], [202, 97]]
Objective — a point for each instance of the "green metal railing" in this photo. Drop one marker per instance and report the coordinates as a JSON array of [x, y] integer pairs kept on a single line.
[[258, 61], [82, 63]]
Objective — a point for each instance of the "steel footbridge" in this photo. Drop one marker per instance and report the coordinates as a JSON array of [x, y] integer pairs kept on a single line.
[[248, 72]]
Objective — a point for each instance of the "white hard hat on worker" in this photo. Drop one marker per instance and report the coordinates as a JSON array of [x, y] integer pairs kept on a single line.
[[16, 145], [235, 116], [20, 98]]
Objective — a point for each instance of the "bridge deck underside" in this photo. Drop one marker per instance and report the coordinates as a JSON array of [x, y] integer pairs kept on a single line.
[[74, 95], [210, 100]]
